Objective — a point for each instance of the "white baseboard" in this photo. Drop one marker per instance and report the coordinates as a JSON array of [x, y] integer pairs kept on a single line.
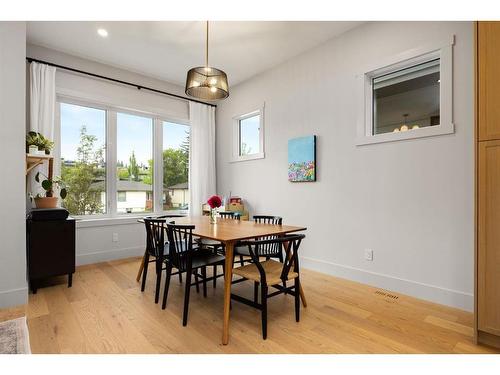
[[105, 255], [437, 294], [13, 297]]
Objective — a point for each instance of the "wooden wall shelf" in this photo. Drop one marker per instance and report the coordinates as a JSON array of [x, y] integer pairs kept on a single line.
[[34, 160]]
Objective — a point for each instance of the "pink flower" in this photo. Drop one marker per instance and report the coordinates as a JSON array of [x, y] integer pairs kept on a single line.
[[214, 201]]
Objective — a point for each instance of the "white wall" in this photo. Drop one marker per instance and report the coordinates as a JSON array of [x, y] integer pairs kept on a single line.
[[94, 240], [13, 286], [409, 201]]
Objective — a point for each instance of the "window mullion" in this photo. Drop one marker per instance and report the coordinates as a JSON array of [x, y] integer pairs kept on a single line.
[[158, 165], [111, 157]]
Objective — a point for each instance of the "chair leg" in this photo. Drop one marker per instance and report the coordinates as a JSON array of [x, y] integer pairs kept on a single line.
[[167, 284], [215, 276], [297, 299], [180, 277], [264, 310], [196, 281], [204, 275], [242, 261], [158, 279], [145, 272], [186, 297], [284, 286], [256, 292]]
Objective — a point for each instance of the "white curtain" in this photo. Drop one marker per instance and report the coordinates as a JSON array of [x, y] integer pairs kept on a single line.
[[202, 156], [42, 108]]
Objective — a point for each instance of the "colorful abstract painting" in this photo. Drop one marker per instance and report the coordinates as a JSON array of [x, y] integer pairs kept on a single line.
[[302, 159]]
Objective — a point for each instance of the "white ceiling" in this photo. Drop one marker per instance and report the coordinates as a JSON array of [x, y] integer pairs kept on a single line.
[[166, 50]]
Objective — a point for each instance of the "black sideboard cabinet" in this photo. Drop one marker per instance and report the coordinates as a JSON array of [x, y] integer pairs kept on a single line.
[[50, 245]]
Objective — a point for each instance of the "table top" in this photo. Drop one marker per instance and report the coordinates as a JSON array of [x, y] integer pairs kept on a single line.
[[233, 230]]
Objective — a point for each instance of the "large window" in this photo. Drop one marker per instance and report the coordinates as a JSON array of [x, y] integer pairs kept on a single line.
[[248, 136], [83, 158], [118, 162], [134, 166], [175, 166]]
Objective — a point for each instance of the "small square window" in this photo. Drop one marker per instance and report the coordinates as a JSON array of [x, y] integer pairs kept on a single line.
[[122, 196], [248, 136], [406, 99], [408, 95]]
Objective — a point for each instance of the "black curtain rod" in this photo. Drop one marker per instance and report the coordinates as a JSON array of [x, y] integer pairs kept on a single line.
[[139, 87]]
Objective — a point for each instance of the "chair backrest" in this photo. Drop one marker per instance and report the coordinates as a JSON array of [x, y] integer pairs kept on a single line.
[[180, 238], [267, 219], [288, 245], [150, 248], [270, 250], [155, 236], [230, 215]]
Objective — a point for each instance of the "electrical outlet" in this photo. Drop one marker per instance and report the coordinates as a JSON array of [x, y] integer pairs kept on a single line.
[[369, 254], [115, 237]]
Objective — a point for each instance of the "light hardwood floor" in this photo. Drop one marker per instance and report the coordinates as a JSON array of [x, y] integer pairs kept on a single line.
[[105, 312]]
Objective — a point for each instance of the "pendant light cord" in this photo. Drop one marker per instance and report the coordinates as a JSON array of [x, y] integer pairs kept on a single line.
[[206, 50]]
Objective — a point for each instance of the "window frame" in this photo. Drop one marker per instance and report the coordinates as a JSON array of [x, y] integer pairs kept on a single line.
[[442, 50], [236, 157], [111, 155]]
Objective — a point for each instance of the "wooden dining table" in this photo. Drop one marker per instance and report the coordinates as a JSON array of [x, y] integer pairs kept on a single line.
[[229, 232]]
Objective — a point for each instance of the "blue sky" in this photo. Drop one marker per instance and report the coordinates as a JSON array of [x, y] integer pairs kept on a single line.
[[249, 133], [134, 133], [73, 117]]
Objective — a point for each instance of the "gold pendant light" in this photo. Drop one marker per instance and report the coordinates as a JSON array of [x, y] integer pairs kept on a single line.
[[205, 82]]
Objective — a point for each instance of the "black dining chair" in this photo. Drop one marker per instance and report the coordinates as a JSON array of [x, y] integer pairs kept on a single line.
[[271, 252], [155, 252], [271, 273], [187, 258]]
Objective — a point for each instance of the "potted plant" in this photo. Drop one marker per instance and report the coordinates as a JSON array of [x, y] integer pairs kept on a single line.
[[43, 145], [48, 184]]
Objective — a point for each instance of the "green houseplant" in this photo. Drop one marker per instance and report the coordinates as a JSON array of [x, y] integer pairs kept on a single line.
[[48, 184], [38, 140]]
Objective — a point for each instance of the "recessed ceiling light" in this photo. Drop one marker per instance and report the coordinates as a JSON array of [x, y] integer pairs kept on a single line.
[[102, 32]]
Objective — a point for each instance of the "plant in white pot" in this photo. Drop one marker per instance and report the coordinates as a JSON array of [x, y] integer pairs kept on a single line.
[[48, 184], [36, 140]]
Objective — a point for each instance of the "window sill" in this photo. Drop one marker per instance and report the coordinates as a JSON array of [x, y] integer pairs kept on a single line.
[[91, 222], [428, 131], [248, 157], [106, 221]]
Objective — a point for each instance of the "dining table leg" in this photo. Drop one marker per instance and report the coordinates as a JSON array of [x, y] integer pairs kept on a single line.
[[302, 296], [141, 268], [228, 276]]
